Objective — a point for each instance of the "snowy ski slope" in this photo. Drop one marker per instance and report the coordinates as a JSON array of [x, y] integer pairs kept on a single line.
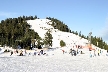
[[41, 26]]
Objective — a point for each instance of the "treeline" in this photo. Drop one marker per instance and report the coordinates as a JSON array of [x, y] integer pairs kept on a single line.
[[57, 24], [16, 31]]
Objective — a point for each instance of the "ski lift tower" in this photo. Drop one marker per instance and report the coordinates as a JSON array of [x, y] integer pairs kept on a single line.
[[89, 38]]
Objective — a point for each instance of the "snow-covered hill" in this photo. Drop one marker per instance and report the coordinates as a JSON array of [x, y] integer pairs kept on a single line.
[[55, 60], [41, 26]]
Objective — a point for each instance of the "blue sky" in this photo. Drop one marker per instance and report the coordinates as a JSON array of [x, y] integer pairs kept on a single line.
[[79, 15]]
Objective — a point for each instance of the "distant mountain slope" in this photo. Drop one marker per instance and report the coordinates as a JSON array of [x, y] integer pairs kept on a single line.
[[21, 30]]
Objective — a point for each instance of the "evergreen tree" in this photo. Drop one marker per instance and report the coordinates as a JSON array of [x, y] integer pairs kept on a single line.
[[62, 43], [35, 17], [48, 38], [79, 34], [76, 33]]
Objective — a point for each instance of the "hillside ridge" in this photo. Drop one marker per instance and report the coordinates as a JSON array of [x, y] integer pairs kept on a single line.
[[15, 31]]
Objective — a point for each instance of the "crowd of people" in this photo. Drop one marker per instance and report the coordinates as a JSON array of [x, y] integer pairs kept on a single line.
[[20, 52], [74, 51]]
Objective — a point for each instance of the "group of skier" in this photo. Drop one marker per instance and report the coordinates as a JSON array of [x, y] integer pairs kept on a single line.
[[73, 52]]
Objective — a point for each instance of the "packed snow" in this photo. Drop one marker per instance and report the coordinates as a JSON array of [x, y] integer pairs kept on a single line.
[[56, 59]]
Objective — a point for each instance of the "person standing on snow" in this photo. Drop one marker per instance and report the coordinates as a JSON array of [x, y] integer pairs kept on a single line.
[[94, 52], [11, 53], [107, 53], [98, 52], [63, 51]]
